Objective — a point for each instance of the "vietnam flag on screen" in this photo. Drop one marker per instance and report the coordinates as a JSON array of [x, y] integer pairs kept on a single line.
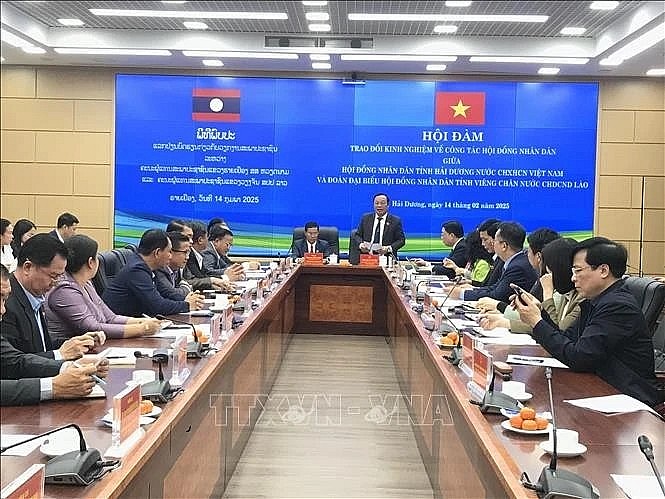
[[215, 104], [459, 108]]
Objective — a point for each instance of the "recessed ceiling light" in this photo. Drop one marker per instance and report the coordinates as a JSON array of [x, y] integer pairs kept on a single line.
[[319, 27], [548, 71], [321, 65], [317, 16], [445, 28], [656, 72], [639, 44], [601, 5], [449, 18], [174, 1], [13, 40], [71, 22], [319, 57], [572, 31], [188, 14], [457, 3], [34, 50], [111, 51], [531, 60], [412, 58], [435, 67], [314, 3], [195, 25], [238, 55], [212, 62]]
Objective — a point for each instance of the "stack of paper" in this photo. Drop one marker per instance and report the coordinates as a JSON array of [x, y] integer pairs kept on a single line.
[[638, 486], [509, 339], [528, 360], [612, 404]]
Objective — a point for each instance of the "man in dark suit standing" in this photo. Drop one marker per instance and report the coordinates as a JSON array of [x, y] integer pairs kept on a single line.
[[452, 235], [311, 243], [380, 232], [28, 378], [41, 262]]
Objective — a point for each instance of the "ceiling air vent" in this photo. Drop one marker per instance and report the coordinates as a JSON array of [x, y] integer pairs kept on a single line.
[[276, 41]]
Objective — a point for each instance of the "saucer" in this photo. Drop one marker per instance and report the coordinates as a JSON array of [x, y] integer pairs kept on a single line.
[[143, 420], [522, 397], [576, 451], [505, 424]]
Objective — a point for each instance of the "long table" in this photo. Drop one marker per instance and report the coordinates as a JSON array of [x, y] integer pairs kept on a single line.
[[194, 446]]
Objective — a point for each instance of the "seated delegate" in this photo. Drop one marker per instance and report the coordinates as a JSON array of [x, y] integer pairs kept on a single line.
[[73, 305], [311, 242]]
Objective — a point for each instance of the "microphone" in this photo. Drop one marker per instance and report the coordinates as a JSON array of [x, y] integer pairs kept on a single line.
[[194, 348], [554, 483], [493, 402], [79, 467], [647, 450]]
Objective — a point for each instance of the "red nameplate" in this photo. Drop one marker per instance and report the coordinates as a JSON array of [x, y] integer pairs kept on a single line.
[[367, 260], [481, 368], [312, 259], [28, 485]]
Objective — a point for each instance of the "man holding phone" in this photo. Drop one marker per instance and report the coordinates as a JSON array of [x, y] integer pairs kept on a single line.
[[610, 338]]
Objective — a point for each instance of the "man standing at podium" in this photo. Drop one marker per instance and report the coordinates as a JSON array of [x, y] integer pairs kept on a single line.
[[380, 232]]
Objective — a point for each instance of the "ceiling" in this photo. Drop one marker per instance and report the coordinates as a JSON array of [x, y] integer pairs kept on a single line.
[[236, 42]]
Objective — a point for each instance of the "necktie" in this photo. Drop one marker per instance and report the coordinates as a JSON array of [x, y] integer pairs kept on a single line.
[[311, 248], [376, 238]]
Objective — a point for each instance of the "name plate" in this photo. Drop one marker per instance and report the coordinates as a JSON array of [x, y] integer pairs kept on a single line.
[[126, 412], [28, 485], [467, 354], [227, 320], [482, 368], [215, 328], [312, 259], [367, 260]]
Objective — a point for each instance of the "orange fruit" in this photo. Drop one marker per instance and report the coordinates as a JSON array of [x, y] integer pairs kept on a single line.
[[529, 424], [527, 413], [516, 421], [146, 406], [453, 336], [541, 423], [447, 341]]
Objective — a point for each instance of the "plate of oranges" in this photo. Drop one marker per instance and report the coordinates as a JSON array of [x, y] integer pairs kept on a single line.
[[447, 341], [527, 422]]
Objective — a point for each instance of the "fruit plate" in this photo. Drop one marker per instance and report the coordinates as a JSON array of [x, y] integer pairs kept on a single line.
[[505, 424], [509, 413]]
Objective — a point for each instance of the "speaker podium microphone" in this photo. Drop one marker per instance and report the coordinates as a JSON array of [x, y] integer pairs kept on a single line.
[[554, 483], [194, 348], [78, 467], [647, 449]]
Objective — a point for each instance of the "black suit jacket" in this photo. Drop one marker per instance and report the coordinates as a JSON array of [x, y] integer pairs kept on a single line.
[[519, 272], [214, 264], [19, 325], [169, 287], [393, 233], [20, 373], [194, 274], [300, 247], [54, 234], [457, 255], [494, 276]]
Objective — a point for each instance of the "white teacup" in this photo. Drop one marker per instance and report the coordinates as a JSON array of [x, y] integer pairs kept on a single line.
[[567, 440], [221, 301], [143, 376], [513, 388], [332, 259], [383, 260]]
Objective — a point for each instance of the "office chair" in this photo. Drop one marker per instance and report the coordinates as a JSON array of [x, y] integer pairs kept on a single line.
[[650, 296], [354, 252], [100, 281], [328, 233]]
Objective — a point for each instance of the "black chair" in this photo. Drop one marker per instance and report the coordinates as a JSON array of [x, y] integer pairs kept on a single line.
[[354, 251], [650, 296], [110, 263], [329, 234]]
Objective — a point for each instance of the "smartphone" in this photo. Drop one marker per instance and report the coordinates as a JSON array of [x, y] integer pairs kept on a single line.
[[518, 292]]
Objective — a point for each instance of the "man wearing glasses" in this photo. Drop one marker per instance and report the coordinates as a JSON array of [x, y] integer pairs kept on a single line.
[[611, 337], [380, 232], [41, 262], [168, 279]]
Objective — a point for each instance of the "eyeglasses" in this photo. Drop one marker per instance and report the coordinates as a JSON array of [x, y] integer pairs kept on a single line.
[[55, 277], [186, 252], [577, 270]]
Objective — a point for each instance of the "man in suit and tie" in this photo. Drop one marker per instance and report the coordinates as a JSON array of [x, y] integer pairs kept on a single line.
[[28, 378], [193, 271], [215, 257], [168, 279], [380, 232], [311, 243], [452, 235], [41, 262], [509, 246], [487, 231], [66, 227]]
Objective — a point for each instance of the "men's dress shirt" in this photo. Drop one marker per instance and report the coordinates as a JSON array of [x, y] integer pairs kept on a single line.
[[133, 292], [24, 325], [516, 270], [26, 378], [301, 246], [391, 231], [610, 338]]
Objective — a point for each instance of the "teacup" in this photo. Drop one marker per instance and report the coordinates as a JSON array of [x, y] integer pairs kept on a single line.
[[513, 388], [332, 259], [567, 440], [221, 301], [143, 376]]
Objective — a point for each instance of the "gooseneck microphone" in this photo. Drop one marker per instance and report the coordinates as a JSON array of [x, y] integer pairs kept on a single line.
[[554, 483], [79, 467], [647, 450]]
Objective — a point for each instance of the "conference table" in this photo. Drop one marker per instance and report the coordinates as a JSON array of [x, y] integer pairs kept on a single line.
[[192, 449]]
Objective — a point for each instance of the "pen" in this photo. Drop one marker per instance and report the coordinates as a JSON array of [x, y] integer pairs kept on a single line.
[[97, 379], [529, 360]]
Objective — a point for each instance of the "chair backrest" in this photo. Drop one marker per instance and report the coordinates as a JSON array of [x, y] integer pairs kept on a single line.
[[123, 254], [650, 296], [354, 252], [327, 233], [100, 281]]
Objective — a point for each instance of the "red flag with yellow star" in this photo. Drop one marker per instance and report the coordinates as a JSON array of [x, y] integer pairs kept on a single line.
[[459, 108]]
